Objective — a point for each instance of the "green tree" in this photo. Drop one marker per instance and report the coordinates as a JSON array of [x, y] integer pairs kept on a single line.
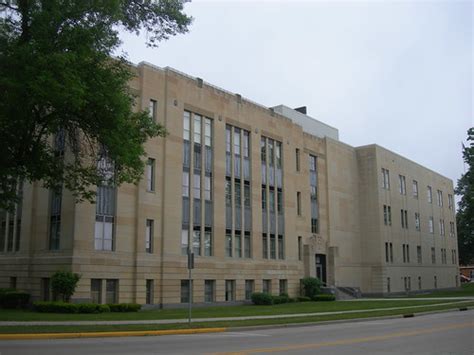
[[64, 283], [57, 76], [465, 213], [311, 286]]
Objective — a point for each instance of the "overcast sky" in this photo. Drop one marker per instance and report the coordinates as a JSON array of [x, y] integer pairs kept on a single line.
[[399, 74]]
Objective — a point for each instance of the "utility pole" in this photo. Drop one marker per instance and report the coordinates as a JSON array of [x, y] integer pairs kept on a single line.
[[190, 285]]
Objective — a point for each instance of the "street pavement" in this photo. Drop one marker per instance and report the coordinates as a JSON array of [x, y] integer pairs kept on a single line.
[[433, 334]]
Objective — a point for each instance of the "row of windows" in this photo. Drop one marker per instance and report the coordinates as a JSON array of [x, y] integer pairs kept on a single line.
[[403, 189], [407, 283], [10, 225], [230, 289], [387, 219], [419, 254]]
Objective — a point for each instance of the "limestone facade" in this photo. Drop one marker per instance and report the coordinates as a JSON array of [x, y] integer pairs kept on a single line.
[[345, 229]]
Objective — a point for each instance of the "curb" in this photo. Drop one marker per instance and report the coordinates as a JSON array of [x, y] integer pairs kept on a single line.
[[110, 334]]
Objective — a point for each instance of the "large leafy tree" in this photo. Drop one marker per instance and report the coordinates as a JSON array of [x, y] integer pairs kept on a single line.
[[57, 75], [465, 213]]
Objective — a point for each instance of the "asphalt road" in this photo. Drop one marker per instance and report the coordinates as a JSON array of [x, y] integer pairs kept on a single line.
[[444, 333]]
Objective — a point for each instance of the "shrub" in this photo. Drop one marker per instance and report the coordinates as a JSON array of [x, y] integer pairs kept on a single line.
[[64, 283], [277, 299], [10, 298], [63, 307], [124, 307], [323, 297], [311, 286], [261, 298], [303, 299]]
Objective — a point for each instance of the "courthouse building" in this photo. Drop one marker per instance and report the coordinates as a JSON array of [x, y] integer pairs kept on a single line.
[[262, 196]]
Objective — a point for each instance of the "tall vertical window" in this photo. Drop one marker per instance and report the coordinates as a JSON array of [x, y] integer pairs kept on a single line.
[[415, 189], [197, 225], [300, 248], [429, 192], [402, 185], [283, 286], [431, 225], [152, 107], [313, 179], [96, 291], [186, 291], [419, 256], [387, 259], [387, 215], [451, 229], [267, 286], [238, 192], [433, 255], [249, 289], [385, 179], [149, 292], [440, 198], [10, 224], [450, 201], [105, 205], [417, 221], [150, 174], [441, 227], [297, 159], [149, 231], [271, 154], [209, 290], [55, 219], [111, 291], [230, 290], [298, 203], [404, 218]]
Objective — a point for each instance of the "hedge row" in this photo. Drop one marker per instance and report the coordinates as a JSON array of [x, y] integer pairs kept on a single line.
[[262, 298], [62, 307], [11, 298]]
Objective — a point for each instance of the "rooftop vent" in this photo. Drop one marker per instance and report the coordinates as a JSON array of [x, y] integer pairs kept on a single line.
[[301, 109]]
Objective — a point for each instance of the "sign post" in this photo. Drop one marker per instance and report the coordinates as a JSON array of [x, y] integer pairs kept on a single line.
[[190, 267]]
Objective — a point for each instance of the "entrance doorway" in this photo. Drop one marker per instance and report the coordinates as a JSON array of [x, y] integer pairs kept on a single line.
[[321, 267]]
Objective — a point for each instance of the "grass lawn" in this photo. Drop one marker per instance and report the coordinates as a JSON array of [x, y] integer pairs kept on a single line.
[[466, 289], [280, 321], [217, 311]]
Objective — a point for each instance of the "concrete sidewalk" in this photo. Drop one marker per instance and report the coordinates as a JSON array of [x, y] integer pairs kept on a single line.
[[185, 320]]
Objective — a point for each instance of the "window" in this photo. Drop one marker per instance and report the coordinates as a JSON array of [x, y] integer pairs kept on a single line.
[[149, 235], [185, 184], [230, 290], [385, 179], [149, 292], [300, 248], [45, 289], [247, 245], [419, 282], [272, 247], [415, 189], [298, 203], [264, 246], [152, 109], [267, 286], [435, 279], [386, 253], [450, 201], [96, 291], [314, 194], [208, 242], [417, 221], [388, 285], [249, 289], [402, 185], [150, 175], [283, 286], [55, 220], [185, 291], [430, 194], [111, 291], [197, 129], [105, 217], [387, 215], [391, 252], [419, 257], [431, 225], [197, 240], [13, 280], [186, 125], [238, 244], [404, 218], [209, 290], [440, 198], [441, 227], [184, 241], [281, 250], [451, 229], [228, 243], [197, 186], [433, 255], [297, 159], [406, 253]]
